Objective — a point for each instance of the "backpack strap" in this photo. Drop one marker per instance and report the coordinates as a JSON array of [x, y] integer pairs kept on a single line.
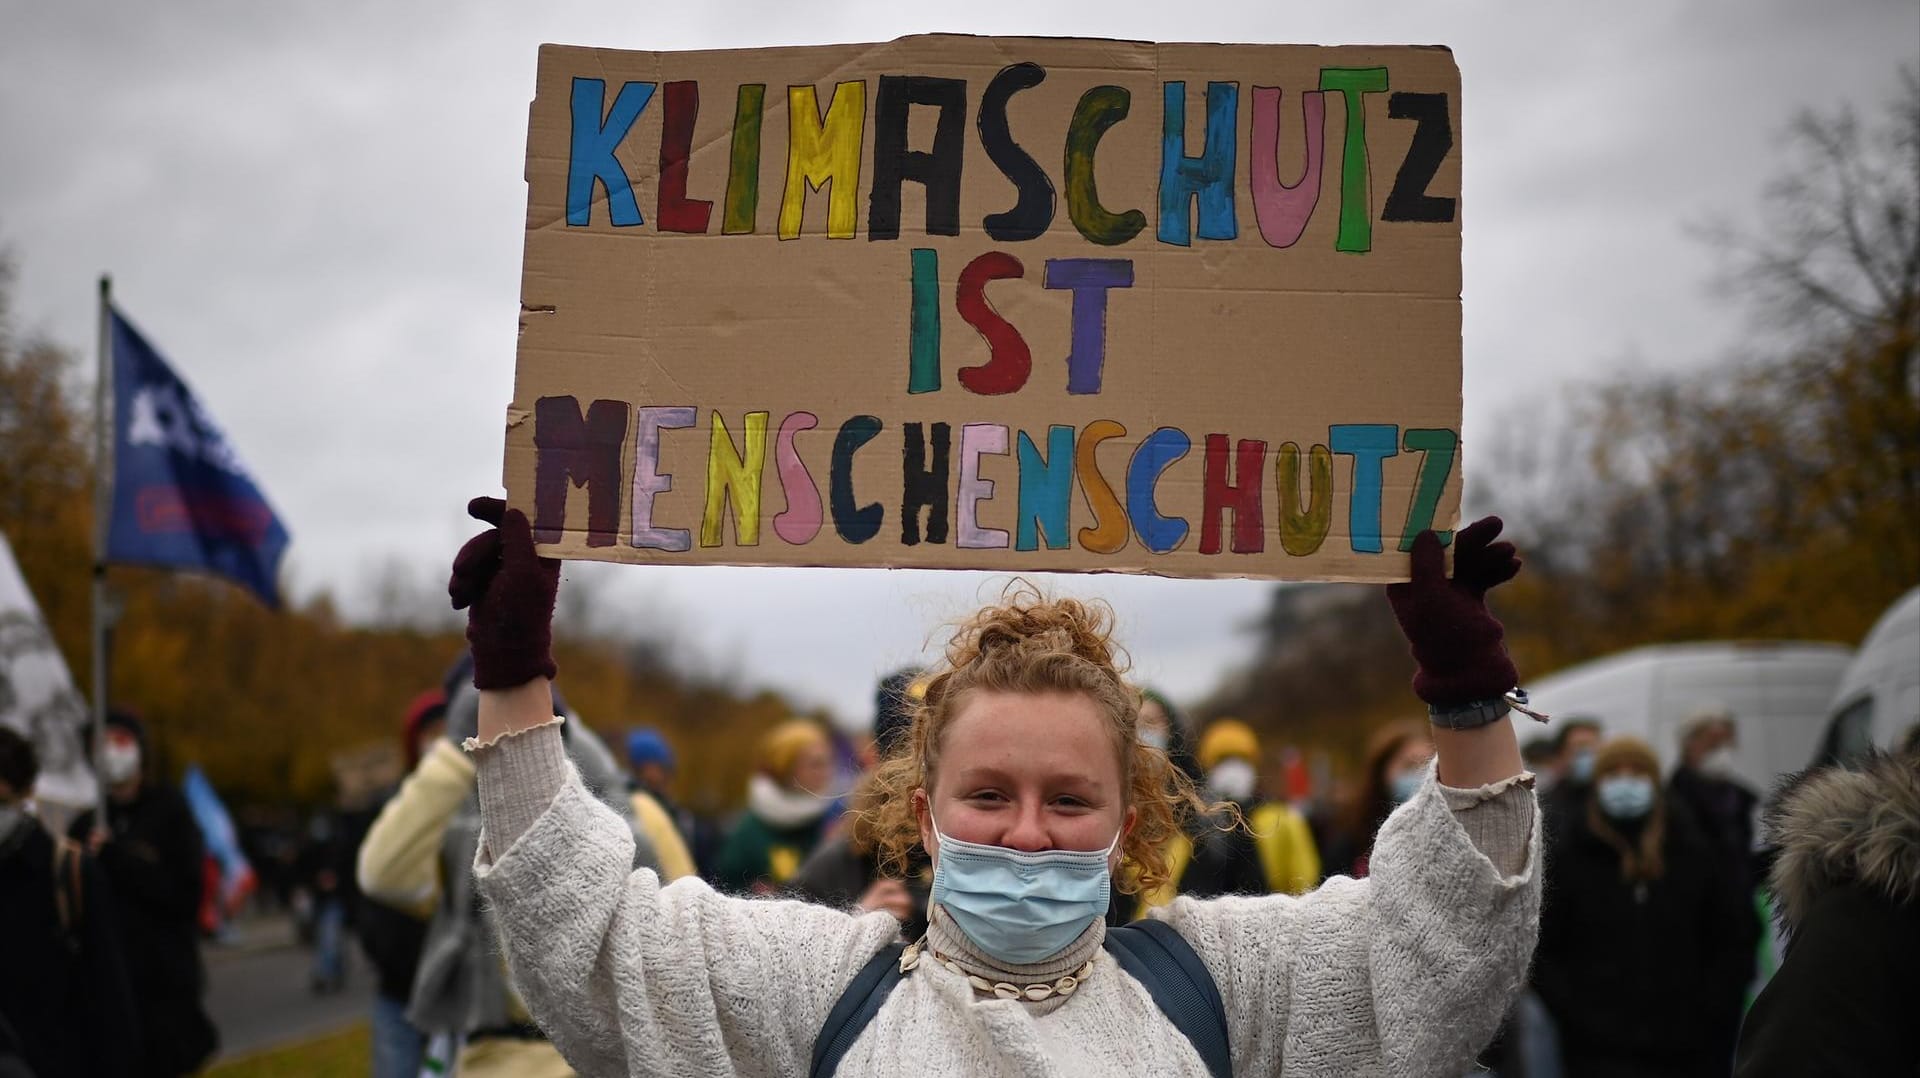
[[855, 1008], [1156, 955]]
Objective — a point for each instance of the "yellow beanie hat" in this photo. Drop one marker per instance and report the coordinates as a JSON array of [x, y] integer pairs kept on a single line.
[[782, 745], [1227, 738]]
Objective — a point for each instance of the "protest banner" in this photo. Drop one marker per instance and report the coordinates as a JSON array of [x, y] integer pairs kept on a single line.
[[997, 303], [38, 700]]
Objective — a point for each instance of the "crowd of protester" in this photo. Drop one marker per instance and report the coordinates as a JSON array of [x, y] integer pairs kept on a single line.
[[1652, 923]]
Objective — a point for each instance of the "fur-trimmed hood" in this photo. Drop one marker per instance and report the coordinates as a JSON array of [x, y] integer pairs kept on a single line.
[[1838, 826]]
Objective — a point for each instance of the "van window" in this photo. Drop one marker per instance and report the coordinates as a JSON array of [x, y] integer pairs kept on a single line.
[[1850, 737]]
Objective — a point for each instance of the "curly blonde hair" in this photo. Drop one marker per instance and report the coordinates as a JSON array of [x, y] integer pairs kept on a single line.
[[1032, 644]]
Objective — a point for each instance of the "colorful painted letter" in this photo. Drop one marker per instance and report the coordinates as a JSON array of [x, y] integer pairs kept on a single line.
[[648, 480], [1282, 210], [1099, 109], [581, 451], [1356, 182], [591, 157], [1369, 444], [1046, 484], [977, 440], [1154, 456], [1089, 278], [824, 152], [1208, 177], [736, 481]]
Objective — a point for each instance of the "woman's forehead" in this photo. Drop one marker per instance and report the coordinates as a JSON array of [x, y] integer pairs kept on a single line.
[[1030, 733]]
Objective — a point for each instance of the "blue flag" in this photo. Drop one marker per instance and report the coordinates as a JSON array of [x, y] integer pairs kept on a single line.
[[181, 497]]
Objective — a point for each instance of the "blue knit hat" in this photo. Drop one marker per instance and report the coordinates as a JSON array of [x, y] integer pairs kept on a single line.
[[646, 746]]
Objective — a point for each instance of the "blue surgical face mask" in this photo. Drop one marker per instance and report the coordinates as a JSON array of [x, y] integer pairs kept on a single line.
[[1582, 768], [1020, 907], [1625, 797], [1404, 785]]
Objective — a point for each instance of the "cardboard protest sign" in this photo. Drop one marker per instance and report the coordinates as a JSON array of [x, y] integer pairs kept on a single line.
[[1001, 303]]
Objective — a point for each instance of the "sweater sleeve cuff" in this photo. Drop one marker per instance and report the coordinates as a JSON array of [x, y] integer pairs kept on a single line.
[[520, 773], [1498, 819]]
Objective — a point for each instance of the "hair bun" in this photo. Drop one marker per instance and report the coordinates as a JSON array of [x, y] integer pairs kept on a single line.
[[1026, 622]]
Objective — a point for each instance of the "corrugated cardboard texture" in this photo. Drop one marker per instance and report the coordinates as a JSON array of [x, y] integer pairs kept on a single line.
[[1324, 316]]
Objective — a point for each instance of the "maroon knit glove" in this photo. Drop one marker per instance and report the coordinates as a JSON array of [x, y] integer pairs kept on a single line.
[[508, 592], [1456, 640]]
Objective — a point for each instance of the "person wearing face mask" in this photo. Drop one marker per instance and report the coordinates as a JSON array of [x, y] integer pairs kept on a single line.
[[1564, 787], [150, 850], [1025, 781], [1641, 958], [844, 869], [1286, 858], [786, 810], [1395, 765], [65, 1008], [1708, 784]]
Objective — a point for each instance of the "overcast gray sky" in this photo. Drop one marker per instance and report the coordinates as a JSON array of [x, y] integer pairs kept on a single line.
[[316, 211]]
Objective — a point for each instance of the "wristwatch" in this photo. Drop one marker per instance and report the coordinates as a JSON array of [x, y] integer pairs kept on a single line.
[[1469, 715]]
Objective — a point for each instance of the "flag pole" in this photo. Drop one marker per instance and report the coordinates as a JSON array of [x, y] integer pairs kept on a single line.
[[102, 510]]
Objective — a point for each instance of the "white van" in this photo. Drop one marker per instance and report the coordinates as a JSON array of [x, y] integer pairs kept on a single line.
[[1778, 692], [1878, 699]]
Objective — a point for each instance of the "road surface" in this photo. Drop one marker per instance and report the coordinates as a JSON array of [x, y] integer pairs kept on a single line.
[[257, 991]]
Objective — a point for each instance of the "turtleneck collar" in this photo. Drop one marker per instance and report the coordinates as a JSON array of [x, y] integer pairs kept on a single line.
[[945, 943], [781, 807]]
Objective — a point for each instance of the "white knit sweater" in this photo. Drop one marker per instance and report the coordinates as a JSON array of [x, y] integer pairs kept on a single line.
[[1406, 973]]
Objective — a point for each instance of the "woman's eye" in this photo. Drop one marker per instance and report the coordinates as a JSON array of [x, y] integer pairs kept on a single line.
[[985, 795]]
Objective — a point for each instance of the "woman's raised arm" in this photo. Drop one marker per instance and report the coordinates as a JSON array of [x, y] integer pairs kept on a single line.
[[623, 974]]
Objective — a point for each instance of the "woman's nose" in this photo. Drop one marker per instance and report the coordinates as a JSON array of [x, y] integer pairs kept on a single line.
[[1029, 831]]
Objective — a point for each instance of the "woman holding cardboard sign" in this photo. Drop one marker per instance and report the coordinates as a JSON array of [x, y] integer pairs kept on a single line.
[[1026, 783]]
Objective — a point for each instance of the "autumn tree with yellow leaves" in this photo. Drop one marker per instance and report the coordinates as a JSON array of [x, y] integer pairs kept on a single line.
[[268, 702]]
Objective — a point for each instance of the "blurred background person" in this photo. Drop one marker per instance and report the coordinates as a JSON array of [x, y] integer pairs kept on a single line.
[[1847, 888], [649, 772], [1564, 785], [65, 1008], [1641, 950], [391, 937], [418, 857], [1395, 762], [1708, 784], [1167, 728], [1539, 756], [787, 804], [1258, 846], [844, 869], [326, 864], [150, 851]]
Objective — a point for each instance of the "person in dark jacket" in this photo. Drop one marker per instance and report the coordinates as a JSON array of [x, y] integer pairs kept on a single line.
[[150, 851], [65, 1008], [1566, 784], [1705, 782], [1395, 763], [844, 869], [1846, 886], [786, 810], [1640, 953], [391, 937]]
